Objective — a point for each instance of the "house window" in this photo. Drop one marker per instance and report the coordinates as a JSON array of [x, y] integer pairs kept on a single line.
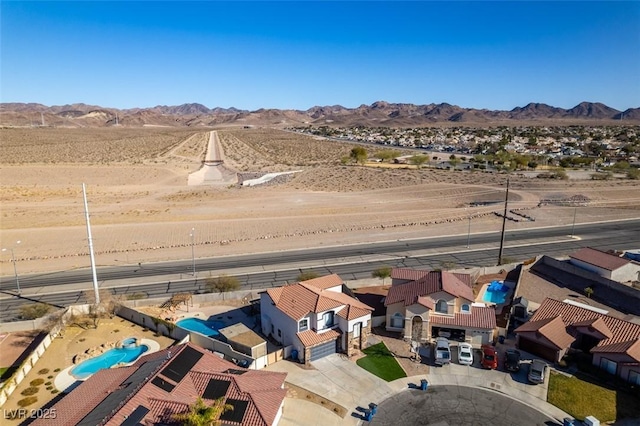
[[441, 307], [328, 319], [608, 365], [465, 308], [303, 325], [634, 377], [397, 320]]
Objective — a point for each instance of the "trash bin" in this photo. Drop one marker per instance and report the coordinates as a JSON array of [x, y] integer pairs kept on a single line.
[[374, 408], [424, 384], [501, 339], [368, 415], [294, 354], [568, 421]]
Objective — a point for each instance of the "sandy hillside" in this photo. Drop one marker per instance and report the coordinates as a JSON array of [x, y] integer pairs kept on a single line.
[[142, 209]]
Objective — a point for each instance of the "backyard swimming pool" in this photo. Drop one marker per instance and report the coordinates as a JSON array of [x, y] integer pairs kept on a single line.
[[496, 293], [107, 360], [209, 328]]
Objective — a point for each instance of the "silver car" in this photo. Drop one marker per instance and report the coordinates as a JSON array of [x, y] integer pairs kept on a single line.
[[442, 351], [537, 371]]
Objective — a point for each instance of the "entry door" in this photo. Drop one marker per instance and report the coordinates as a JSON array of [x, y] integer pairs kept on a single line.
[[357, 332]]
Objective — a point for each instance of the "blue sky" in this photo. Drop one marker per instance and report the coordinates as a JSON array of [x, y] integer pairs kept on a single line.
[[251, 55]]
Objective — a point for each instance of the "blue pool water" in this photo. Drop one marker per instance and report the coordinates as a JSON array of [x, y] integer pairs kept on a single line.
[[495, 293], [208, 328], [107, 360]]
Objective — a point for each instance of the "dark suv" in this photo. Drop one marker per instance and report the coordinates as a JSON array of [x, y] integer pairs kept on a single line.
[[512, 360]]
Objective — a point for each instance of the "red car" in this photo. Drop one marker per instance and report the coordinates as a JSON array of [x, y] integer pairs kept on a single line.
[[489, 357]]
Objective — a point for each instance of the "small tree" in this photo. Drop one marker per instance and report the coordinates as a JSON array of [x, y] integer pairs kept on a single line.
[[201, 414], [34, 310], [387, 154], [418, 160], [222, 284], [588, 292], [358, 154], [306, 276], [383, 273]]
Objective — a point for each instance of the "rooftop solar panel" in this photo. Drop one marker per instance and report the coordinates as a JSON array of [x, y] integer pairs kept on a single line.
[[163, 384], [237, 414], [182, 364], [216, 388], [135, 417]]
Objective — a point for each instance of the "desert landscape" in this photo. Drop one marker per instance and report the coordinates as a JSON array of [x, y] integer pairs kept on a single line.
[[142, 209]]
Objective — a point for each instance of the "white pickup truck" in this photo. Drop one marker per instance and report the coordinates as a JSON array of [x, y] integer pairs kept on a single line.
[[442, 351]]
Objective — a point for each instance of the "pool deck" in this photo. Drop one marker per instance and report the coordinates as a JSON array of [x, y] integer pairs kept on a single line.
[[65, 382]]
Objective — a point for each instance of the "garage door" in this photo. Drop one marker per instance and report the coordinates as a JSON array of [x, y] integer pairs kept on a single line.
[[323, 350], [535, 348]]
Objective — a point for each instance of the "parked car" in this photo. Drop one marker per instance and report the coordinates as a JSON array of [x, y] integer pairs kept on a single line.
[[443, 353], [512, 360], [465, 354], [489, 357], [537, 371]]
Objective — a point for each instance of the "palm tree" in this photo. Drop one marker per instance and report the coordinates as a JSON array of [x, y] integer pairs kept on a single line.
[[201, 414]]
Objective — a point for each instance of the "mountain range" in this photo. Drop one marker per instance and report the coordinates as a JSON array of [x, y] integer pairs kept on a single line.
[[379, 113]]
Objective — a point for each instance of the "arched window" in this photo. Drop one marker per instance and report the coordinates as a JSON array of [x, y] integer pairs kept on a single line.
[[397, 320], [441, 307], [465, 308]]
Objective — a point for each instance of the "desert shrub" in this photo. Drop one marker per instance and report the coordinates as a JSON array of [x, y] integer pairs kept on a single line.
[[34, 310], [55, 391], [31, 390], [305, 276], [25, 402], [47, 384], [43, 371], [49, 377], [56, 370], [36, 382], [222, 283], [49, 388]]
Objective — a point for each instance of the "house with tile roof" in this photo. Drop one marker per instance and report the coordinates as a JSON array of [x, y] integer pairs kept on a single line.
[[315, 317], [557, 327], [168, 382], [606, 265], [422, 305]]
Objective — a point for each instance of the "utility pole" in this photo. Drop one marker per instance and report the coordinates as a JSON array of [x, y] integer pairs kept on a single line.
[[504, 224], [469, 231], [91, 255], [15, 269]]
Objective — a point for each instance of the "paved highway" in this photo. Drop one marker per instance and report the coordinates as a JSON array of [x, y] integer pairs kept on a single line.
[[350, 262]]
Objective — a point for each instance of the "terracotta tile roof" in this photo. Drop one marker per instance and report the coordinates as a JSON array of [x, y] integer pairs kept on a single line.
[[325, 282], [630, 348], [429, 283], [311, 338], [352, 312], [621, 331], [427, 302], [415, 274], [298, 300], [599, 258], [478, 318], [262, 390], [597, 324]]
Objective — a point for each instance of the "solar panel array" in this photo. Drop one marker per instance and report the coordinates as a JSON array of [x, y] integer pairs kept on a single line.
[[216, 388], [237, 414], [182, 364], [115, 399], [235, 371], [163, 384], [134, 418]]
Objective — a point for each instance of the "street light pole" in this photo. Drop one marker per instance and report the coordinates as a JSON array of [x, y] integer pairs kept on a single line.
[[193, 256], [469, 231], [15, 269]]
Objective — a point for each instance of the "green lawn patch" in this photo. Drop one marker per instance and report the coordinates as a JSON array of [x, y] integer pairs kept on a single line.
[[580, 399], [380, 361]]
